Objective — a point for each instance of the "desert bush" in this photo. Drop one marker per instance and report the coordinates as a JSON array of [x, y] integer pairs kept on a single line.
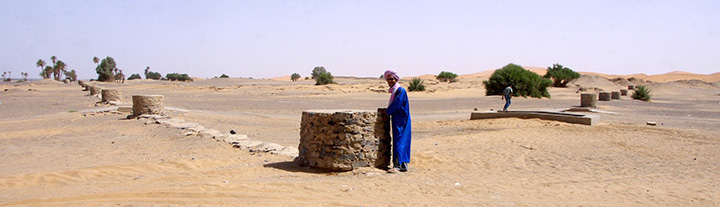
[[224, 76], [525, 83], [561, 75], [153, 75], [295, 77], [642, 93], [416, 84], [105, 70], [317, 71], [134, 76], [324, 79], [447, 77], [178, 77]]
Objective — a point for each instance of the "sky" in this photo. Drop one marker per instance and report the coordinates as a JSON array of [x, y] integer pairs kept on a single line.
[[271, 38]]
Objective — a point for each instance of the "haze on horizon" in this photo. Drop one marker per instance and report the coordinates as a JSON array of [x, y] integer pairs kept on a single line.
[[264, 39]]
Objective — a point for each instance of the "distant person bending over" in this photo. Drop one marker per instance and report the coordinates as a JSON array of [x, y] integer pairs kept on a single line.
[[399, 110], [507, 95]]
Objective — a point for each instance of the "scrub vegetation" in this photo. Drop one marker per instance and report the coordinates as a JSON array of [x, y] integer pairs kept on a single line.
[[525, 83], [416, 84], [322, 76], [447, 77], [642, 93], [561, 75]]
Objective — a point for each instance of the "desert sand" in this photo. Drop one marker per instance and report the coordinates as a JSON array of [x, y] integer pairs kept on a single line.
[[57, 150]]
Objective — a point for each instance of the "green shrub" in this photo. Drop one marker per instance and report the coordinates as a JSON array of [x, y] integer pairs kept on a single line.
[[447, 77], [416, 84], [560, 75], [224, 76], [642, 93], [153, 75], [525, 83], [178, 77], [324, 79], [134, 76], [295, 77], [105, 70], [317, 71]]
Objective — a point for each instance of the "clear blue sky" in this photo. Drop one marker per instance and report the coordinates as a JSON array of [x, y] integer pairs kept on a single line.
[[267, 38]]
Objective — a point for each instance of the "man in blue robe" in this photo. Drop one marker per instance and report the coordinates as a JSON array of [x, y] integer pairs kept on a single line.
[[399, 109]]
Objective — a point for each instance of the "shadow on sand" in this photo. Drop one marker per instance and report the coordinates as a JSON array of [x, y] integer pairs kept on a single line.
[[291, 166]]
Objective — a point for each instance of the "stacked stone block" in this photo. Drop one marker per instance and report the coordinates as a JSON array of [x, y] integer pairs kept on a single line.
[[343, 140], [604, 96], [615, 95], [111, 95], [588, 99], [147, 104], [623, 92], [95, 89]]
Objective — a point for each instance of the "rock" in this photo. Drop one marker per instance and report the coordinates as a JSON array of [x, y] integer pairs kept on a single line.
[[247, 144], [289, 151], [651, 123], [211, 133], [236, 138], [270, 147]]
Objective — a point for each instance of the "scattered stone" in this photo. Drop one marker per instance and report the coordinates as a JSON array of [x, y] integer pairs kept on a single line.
[[236, 138]]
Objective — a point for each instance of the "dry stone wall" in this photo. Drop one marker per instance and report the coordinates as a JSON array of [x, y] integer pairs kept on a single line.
[[343, 140], [147, 104]]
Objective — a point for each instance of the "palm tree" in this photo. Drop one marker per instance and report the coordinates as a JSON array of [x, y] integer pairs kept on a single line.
[[59, 69], [48, 71], [41, 63], [147, 70], [96, 60], [54, 59]]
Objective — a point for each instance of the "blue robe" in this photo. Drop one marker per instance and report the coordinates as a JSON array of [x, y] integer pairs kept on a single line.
[[399, 110]]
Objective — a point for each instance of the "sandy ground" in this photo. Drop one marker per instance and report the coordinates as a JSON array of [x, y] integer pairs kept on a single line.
[[56, 152]]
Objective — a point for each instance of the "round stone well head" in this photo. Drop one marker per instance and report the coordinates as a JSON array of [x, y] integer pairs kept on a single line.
[[343, 140]]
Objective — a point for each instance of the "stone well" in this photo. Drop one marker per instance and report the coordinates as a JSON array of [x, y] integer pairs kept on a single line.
[[147, 104], [588, 99], [604, 96], [615, 95], [343, 140], [623, 92], [95, 89], [111, 95]]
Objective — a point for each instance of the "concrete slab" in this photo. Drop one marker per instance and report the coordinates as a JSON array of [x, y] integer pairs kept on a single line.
[[545, 115]]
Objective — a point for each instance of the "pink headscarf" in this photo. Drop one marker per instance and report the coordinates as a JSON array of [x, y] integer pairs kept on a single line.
[[391, 90]]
